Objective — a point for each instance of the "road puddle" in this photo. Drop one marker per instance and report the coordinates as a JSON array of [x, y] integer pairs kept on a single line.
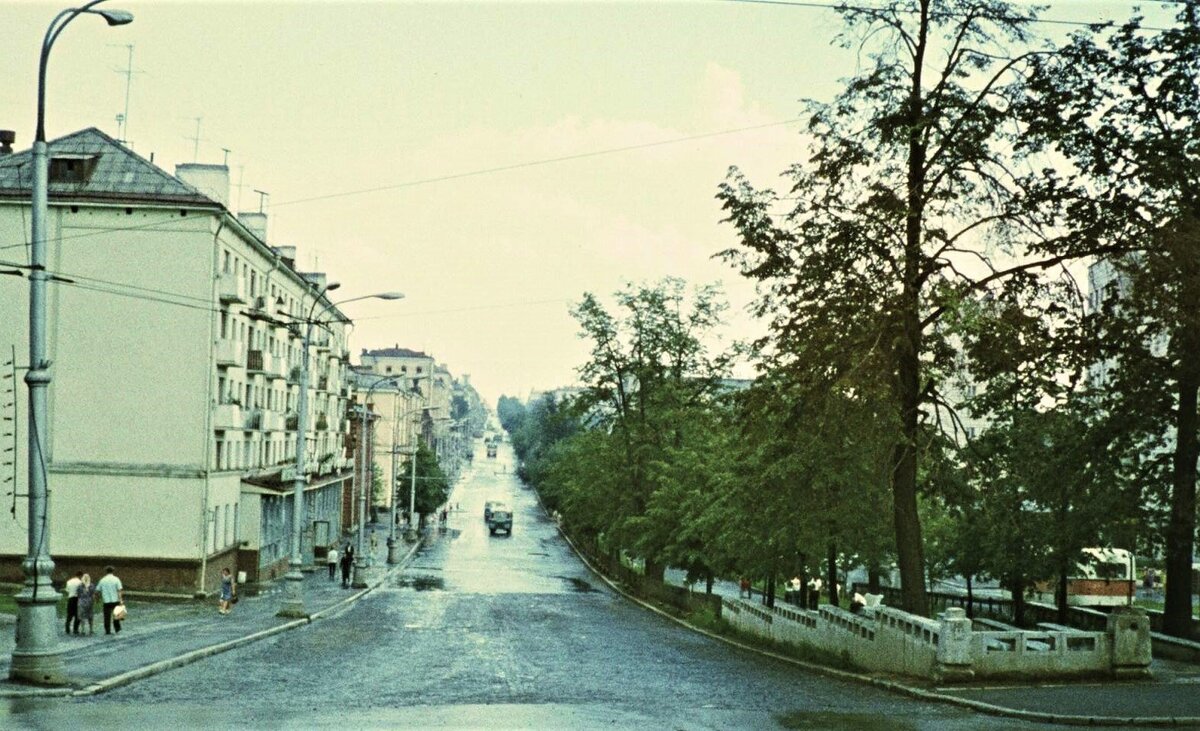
[[577, 584], [422, 583]]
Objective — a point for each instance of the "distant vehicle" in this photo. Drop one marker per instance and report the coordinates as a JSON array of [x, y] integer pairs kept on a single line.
[[491, 449], [1103, 577], [487, 509], [500, 519]]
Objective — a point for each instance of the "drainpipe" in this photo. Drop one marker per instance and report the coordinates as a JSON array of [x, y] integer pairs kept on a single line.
[[214, 321]]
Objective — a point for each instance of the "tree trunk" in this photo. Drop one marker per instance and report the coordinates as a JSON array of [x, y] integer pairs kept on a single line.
[[873, 582], [1181, 528], [1060, 594], [769, 594], [970, 598], [708, 582], [832, 559], [1018, 603], [910, 554]]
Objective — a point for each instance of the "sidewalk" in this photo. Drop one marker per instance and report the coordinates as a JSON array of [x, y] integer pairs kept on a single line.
[[160, 635]]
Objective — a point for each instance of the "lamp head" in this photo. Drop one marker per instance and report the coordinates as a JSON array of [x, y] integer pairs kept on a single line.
[[115, 17], [390, 296], [332, 286]]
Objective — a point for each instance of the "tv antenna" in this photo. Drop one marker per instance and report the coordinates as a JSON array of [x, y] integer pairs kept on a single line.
[[262, 199], [196, 140], [127, 72]]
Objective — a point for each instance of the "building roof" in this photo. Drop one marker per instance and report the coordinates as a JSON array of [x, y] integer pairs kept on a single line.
[[396, 352], [116, 173]]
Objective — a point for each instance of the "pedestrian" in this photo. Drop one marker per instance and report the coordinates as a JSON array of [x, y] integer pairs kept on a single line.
[[374, 543], [228, 592], [112, 594], [331, 560], [744, 587], [73, 602], [347, 562], [86, 594]]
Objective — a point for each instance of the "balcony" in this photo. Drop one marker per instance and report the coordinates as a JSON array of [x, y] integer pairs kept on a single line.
[[293, 376], [322, 423], [231, 288], [252, 418], [259, 361], [227, 352], [292, 422], [227, 416], [273, 421]]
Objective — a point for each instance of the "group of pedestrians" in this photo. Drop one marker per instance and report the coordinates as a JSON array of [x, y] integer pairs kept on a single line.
[[346, 562], [81, 601]]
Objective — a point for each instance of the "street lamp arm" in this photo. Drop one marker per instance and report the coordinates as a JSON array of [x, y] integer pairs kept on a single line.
[[52, 32]]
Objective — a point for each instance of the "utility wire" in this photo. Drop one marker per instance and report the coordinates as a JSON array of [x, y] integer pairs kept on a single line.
[[442, 178], [536, 163], [877, 8]]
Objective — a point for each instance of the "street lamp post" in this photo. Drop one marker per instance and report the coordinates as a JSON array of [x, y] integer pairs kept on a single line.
[[37, 657], [362, 564], [293, 598], [393, 544], [411, 533]]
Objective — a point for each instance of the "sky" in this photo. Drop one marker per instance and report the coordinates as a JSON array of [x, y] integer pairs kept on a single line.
[[418, 146]]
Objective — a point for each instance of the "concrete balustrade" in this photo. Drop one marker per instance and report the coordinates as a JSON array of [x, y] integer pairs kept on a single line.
[[948, 649]]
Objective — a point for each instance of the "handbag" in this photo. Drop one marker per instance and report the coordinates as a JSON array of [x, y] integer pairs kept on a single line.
[[120, 612], [235, 599]]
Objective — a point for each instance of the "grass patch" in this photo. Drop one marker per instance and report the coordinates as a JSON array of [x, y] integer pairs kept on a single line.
[[8, 604], [846, 721], [1157, 605]]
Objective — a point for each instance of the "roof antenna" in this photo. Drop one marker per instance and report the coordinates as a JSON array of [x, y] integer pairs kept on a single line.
[[262, 199], [226, 151], [196, 141], [123, 118]]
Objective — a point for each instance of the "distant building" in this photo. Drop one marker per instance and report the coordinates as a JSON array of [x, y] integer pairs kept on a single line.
[[175, 334]]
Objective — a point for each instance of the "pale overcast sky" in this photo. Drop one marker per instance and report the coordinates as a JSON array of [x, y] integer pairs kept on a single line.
[[320, 99]]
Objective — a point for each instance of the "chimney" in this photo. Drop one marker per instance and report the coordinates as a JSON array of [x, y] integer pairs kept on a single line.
[[7, 137], [211, 180], [256, 222], [287, 253], [317, 279]]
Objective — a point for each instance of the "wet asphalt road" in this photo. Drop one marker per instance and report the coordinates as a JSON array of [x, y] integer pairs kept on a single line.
[[494, 632]]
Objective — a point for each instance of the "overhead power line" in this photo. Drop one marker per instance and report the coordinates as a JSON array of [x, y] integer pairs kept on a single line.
[[535, 163], [874, 8]]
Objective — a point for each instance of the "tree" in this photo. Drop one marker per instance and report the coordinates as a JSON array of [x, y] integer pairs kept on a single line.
[[511, 413], [433, 487], [1123, 108], [649, 371], [908, 171]]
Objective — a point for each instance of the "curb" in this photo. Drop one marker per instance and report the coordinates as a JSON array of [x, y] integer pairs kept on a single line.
[[891, 685], [192, 656]]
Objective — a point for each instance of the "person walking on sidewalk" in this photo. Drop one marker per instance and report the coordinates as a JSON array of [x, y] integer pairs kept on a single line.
[[347, 562], [331, 560], [112, 593], [86, 593], [73, 602], [228, 592]]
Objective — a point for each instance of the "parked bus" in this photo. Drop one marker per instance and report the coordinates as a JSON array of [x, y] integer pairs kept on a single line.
[[1103, 577]]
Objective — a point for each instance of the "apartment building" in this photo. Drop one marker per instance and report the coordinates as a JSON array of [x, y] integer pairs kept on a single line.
[[176, 338], [402, 398]]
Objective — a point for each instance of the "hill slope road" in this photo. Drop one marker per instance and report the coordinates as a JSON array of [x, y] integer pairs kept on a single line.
[[498, 632]]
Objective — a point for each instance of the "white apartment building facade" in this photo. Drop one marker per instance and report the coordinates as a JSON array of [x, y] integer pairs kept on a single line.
[[401, 399], [175, 334]]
